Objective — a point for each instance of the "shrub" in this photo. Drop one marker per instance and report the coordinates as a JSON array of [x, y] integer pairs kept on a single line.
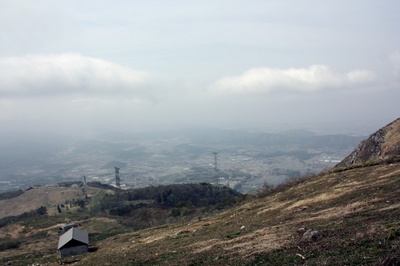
[[11, 194], [9, 244]]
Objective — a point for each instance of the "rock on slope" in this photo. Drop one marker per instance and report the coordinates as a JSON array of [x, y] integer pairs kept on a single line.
[[381, 145]]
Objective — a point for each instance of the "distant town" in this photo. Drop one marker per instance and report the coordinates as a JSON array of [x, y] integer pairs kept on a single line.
[[239, 160]]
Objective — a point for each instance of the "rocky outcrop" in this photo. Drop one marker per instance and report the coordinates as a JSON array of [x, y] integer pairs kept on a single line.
[[381, 145]]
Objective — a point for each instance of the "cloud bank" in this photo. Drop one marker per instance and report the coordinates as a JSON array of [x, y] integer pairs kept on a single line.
[[313, 78], [79, 95], [66, 74]]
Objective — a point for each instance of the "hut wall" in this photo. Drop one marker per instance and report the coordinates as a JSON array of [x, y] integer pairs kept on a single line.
[[74, 250]]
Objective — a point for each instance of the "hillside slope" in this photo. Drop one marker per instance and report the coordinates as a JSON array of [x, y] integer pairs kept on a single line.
[[49, 197], [354, 217], [381, 145]]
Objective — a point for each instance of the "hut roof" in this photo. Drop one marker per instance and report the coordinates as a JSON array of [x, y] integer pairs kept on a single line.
[[73, 234]]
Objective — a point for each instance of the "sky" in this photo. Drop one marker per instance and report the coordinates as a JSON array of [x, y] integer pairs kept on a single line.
[[81, 67]]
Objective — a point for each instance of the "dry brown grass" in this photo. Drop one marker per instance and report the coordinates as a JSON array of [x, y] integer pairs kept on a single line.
[[356, 212], [49, 197], [270, 223]]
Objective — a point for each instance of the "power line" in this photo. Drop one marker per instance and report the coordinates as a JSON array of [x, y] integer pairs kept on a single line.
[[216, 170], [117, 179]]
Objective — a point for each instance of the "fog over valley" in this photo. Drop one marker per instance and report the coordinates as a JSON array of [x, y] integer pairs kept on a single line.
[[236, 159]]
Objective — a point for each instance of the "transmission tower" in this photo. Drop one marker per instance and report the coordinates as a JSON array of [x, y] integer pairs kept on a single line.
[[216, 170], [117, 179], [84, 180]]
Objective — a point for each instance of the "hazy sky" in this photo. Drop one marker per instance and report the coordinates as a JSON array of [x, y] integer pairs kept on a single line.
[[84, 66]]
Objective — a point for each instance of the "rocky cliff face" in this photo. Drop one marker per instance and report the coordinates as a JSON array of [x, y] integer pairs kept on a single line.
[[382, 145]]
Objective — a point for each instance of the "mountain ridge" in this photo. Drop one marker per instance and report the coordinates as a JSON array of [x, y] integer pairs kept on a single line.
[[381, 145]]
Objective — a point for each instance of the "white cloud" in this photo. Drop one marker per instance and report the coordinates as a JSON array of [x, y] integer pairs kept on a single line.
[[65, 74], [313, 78], [360, 77]]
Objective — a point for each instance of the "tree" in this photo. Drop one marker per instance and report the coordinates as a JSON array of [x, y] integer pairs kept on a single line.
[[42, 210]]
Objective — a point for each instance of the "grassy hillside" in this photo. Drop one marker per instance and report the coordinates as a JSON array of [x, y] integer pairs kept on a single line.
[[353, 215], [49, 197]]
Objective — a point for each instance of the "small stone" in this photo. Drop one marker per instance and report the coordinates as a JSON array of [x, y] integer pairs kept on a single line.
[[301, 230], [310, 234]]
